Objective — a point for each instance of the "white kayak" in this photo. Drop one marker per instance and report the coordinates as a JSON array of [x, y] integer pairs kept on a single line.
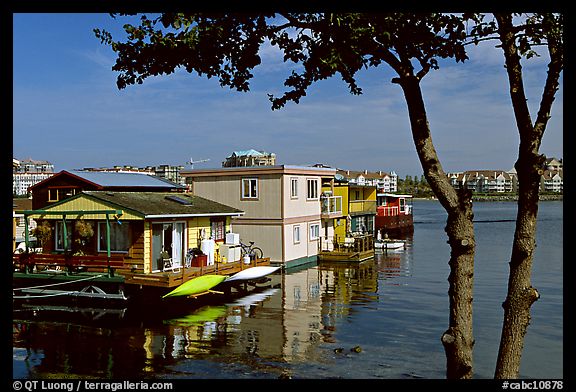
[[252, 273]]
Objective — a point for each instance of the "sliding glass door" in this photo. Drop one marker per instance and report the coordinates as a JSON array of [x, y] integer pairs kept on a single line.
[[167, 237]]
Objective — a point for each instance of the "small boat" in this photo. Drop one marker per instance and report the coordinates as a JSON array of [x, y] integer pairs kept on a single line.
[[196, 286], [252, 273], [389, 244]]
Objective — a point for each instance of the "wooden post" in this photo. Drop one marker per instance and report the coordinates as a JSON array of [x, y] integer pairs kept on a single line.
[[108, 244]]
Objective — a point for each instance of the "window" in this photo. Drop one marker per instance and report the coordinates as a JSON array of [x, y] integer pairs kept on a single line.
[[296, 234], [56, 194], [52, 194], [218, 229], [249, 188], [119, 237], [314, 231], [294, 188], [59, 235], [312, 189]]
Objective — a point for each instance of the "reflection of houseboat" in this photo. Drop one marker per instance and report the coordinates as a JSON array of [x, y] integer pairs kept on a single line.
[[113, 245], [393, 214]]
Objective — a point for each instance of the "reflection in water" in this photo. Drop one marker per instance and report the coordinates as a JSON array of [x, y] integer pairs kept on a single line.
[[281, 324], [305, 323]]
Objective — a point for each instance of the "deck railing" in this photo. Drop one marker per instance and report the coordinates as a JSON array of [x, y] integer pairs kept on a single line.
[[28, 262], [360, 243], [331, 205]]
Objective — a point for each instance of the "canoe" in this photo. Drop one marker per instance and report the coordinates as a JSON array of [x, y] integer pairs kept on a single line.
[[252, 273], [196, 286]]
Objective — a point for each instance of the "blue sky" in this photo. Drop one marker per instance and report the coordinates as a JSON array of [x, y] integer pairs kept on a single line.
[[68, 110]]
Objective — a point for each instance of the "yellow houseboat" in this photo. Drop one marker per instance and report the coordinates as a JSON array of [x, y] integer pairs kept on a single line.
[[97, 241]]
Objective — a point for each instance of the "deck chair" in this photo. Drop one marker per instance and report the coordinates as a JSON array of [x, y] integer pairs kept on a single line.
[[167, 261]]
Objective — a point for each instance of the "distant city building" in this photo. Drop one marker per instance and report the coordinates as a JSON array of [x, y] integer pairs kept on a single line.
[[553, 164], [32, 166], [28, 172], [384, 182], [171, 173], [498, 181], [249, 158], [552, 181], [484, 181]]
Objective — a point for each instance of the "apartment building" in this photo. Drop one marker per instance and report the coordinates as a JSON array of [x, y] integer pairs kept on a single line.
[[28, 172]]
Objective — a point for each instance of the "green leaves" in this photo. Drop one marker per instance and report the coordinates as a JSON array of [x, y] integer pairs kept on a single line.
[[227, 46]]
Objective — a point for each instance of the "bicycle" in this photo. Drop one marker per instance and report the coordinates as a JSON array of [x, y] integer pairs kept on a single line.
[[250, 250]]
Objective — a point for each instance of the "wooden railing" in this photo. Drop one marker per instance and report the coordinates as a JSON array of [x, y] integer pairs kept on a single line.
[[353, 244], [28, 262]]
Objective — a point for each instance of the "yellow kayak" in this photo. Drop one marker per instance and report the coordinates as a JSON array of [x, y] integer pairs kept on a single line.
[[195, 286]]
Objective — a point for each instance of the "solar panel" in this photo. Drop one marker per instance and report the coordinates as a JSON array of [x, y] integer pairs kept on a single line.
[[179, 200]]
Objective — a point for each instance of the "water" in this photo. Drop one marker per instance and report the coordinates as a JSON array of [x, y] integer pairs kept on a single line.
[[393, 309]]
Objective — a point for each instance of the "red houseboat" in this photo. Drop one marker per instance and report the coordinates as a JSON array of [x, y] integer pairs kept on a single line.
[[393, 214]]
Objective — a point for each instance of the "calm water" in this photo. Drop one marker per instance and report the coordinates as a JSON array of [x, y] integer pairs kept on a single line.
[[394, 308]]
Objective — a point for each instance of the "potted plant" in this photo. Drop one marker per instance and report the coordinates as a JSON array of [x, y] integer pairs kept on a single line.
[[84, 232], [43, 233]]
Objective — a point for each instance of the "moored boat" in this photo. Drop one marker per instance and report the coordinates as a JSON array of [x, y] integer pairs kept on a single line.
[[393, 214], [197, 286], [252, 273], [389, 244]]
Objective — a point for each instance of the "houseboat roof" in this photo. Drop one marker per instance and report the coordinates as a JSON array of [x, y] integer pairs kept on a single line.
[[165, 204], [111, 179], [115, 179], [136, 205]]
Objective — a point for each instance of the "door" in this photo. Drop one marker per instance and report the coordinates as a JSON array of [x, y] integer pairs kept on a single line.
[[177, 244], [167, 237]]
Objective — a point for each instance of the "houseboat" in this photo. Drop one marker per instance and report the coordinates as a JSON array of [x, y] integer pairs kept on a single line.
[[393, 215], [123, 245]]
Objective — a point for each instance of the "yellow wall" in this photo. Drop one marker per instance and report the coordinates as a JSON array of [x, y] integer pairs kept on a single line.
[[340, 223], [83, 203], [193, 232]]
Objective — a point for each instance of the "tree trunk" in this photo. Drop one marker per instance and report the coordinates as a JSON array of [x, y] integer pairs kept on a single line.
[[521, 295], [458, 340]]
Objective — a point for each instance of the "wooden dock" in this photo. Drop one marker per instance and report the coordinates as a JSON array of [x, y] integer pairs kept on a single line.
[[358, 248], [175, 278]]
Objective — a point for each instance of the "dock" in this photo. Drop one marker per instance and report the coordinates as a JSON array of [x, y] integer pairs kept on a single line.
[[91, 285], [355, 248]]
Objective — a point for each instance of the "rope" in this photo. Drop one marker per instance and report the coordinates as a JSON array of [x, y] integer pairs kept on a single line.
[[46, 295], [58, 284]]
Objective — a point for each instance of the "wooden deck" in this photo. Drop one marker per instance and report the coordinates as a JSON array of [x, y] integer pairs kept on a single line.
[[175, 278], [358, 248]]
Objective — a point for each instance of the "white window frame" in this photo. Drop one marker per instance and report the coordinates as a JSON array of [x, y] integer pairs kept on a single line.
[[296, 234], [314, 231], [249, 181], [312, 191], [294, 187]]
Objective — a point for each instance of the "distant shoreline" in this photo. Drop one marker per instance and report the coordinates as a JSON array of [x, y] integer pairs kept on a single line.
[[503, 198]]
